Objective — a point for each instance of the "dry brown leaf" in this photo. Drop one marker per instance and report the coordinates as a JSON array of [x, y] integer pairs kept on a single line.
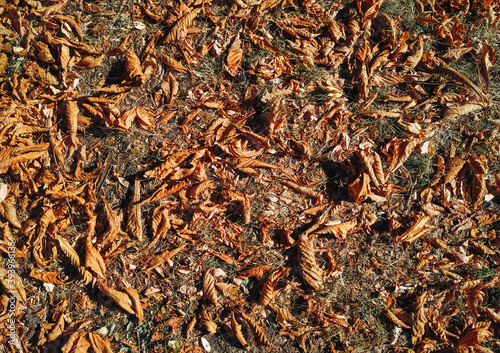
[[8, 211], [134, 222], [477, 334], [120, 298], [417, 229], [163, 257], [136, 303], [306, 190], [76, 343], [12, 162], [72, 116], [89, 62], [180, 29], [99, 345], [206, 321], [452, 168], [268, 293], [485, 63], [258, 332], [402, 149], [463, 109], [13, 284], [339, 230], [394, 318], [190, 328], [209, 288], [174, 64], [170, 87], [49, 277], [312, 274], [133, 67], [233, 61], [68, 250], [3, 61], [418, 50], [236, 328], [256, 272], [418, 328], [94, 260], [43, 52]]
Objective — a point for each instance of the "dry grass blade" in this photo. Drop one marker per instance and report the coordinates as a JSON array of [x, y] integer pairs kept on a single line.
[[209, 289], [312, 274]]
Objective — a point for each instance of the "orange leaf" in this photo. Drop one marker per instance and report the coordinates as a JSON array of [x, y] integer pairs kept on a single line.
[[134, 223], [234, 56], [206, 321], [311, 272], [3, 61], [76, 343], [173, 64], [133, 67], [49, 277], [72, 116], [120, 298], [179, 30], [209, 288], [268, 292], [99, 345], [418, 228]]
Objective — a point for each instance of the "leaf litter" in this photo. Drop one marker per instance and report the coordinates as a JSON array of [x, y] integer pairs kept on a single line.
[[298, 175]]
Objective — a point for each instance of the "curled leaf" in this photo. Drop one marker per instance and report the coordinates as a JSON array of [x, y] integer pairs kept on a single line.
[[209, 289]]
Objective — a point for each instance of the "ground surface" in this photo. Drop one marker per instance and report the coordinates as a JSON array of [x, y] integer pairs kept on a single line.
[[272, 176]]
